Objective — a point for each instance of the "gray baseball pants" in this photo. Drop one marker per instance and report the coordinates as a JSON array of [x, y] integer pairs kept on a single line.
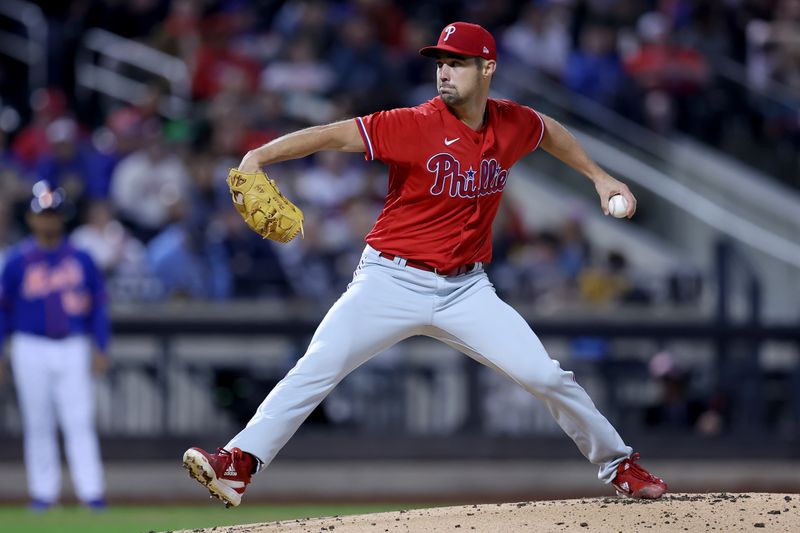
[[387, 302]]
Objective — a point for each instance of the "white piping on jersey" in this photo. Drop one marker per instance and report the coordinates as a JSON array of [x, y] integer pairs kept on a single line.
[[366, 136], [541, 135]]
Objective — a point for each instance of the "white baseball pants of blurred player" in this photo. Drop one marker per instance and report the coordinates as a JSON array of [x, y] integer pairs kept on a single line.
[[387, 302], [54, 385]]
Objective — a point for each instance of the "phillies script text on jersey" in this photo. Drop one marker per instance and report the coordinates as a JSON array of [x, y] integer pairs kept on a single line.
[[448, 177], [445, 179]]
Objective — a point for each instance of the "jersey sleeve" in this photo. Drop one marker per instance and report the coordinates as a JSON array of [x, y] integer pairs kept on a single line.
[[390, 136], [8, 289], [532, 129]]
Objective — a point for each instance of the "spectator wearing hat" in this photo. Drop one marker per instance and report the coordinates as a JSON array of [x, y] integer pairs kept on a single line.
[[71, 163], [147, 182], [31, 142], [672, 78]]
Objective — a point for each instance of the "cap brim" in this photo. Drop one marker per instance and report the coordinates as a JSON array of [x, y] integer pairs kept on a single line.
[[431, 51]]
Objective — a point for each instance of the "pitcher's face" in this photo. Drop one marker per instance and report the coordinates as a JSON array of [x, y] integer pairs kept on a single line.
[[457, 78]]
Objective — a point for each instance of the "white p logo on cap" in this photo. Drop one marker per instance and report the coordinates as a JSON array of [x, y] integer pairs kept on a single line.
[[448, 31]]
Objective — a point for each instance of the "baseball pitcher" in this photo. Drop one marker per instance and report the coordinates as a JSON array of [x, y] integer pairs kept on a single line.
[[421, 272]]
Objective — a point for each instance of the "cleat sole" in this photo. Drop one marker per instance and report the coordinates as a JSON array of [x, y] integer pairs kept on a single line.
[[647, 493], [200, 469]]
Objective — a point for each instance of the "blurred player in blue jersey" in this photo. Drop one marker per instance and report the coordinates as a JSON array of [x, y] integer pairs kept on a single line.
[[53, 304]]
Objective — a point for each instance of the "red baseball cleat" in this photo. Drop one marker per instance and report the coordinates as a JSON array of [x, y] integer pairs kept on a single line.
[[225, 473], [634, 481]]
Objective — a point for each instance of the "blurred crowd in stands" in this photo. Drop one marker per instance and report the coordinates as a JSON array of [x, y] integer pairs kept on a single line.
[[147, 186]]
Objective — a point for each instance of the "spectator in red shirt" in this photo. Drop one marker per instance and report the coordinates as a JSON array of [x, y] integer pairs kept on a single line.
[[31, 142], [217, 65], [670, 75]]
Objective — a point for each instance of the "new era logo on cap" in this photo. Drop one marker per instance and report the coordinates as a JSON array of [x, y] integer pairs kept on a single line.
[[465, 39]]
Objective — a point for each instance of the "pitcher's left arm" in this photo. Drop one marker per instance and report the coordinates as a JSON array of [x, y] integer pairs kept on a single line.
[[560, 143]]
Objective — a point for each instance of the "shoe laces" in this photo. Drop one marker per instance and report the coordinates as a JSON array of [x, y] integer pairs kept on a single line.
[[638, 472], [231, 455], [226, 453], [235, 456]]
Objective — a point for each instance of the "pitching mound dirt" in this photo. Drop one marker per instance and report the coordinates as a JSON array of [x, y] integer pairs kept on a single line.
[[676, 512]]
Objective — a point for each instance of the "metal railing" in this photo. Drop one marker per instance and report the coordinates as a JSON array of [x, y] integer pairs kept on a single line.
[[772, 90], [206, 370], [682, 197], [771, 95], [30, 49], [647, 159], [101, 62]]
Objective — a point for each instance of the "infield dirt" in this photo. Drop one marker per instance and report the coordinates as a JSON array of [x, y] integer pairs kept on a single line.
[[675, 512]]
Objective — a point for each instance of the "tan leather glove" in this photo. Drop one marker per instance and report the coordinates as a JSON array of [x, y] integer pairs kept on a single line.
[[261, 204]]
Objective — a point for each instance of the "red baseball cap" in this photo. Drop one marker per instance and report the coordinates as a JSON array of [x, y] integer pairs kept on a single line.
[[465, 39]]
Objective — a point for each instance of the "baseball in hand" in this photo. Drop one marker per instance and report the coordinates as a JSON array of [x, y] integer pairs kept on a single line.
[[618, 206]]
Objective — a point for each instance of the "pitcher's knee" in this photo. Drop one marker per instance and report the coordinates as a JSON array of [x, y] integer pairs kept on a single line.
[[304, 383], [316, 369], [546, 381]]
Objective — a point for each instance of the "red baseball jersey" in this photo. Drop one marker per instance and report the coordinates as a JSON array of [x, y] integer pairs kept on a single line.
[[445, 179]]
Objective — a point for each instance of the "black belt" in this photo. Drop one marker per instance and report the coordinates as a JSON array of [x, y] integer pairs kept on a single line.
[[421, 265]]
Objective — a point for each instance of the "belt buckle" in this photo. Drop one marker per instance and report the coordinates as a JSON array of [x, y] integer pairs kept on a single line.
[[453, 272], [457, 271]]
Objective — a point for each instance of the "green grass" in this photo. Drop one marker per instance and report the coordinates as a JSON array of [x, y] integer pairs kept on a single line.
[[130, 519]]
